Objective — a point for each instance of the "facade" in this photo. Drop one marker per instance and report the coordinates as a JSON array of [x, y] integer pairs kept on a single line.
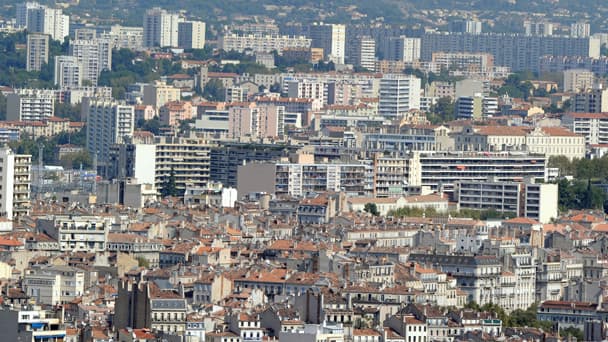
[[578, 80], [32, 323], [76, 233], [191, 35], [50, 21], [398, 95], [37, 51], [593, 100], [592, 126], [159, 93], [53, 285], [108, 122], [69, 72], [476, 107], [331, 38], [362, 52], [524, 52], [161, 28], [262, 43], [256, 122], [187, 158], [30, 105], [94, 55], [520, 199], [15, 185], [403, 49], [172, 113], [473, 62]]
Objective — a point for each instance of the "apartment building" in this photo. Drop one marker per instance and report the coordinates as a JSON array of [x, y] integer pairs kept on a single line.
[[76, 233], [161, 28], [32, 323], [15, 185], [524, 52], [159, 93], [54, 284], [597, 65], [191, 35], [307, 89], [262, 43], [331, 38], [69, 72], [172, 113], [362, 52], [592, 126], [398, 95], [50, 21], [30, 105], [403, 49], [108, 122], [256, 121], [473, 62], [187, 158], [594, 100], [520, 199], [125, 37], [476, 107], [37, 51], [409, 138], [94, 55], [578, 80]]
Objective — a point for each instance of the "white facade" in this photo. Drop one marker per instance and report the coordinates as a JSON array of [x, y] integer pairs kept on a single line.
[[30, 105], [403, 49], [94, 55], [580, 29], [77, 233], [68, 72], [576, 80], [331, 38], [161, 28], [261, 43], [191, 35], [362, 52], [37, 51], [49, 21], [52, 285], [398, 95], [108, 122]]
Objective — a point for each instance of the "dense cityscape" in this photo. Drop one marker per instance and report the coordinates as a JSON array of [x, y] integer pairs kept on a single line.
[[386, 171]]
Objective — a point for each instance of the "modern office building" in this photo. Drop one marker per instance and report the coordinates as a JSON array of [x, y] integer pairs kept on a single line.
[[518, 52], [108, 123], [191, 35], [69, 72], [398, 95], [331, 38], [94, 55], [30, 105], [262, 43], [161, 28], [37, 51]]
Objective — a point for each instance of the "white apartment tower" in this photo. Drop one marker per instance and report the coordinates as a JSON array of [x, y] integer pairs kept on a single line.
[[108, 122], [68, 72], [30, 105], [15, 183], [49, 21], [398, 95], [37, 51], [403, 49], [94, 55], [331, 38], [191, 35], [161, 28], [580, 30], [362, 52]]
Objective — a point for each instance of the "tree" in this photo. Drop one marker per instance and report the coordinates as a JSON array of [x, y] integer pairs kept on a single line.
[[214, 90], [371, 208], [169, 187], [442, 111]]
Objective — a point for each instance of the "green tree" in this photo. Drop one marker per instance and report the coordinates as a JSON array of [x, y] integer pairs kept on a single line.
[[442, 111], [169, 187], [573, 332], [214, 90], [371, 208]]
